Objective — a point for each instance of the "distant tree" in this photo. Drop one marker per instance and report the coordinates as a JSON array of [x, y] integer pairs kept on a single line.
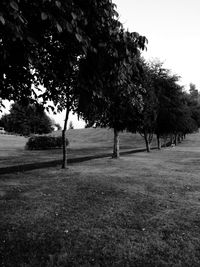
[[144, 118], [194, 106], [175, 115], [71, 126], [194, 94], [26, 120], [163, 110]]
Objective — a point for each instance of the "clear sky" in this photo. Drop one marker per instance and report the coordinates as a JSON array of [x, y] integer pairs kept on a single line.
[[172, 28]]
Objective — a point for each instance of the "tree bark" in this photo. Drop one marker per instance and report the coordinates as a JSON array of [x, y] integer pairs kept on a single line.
[[158, 141], [175, 139], [64, 160], [116, 144], [179, 138], [171, 139], [165, 141], [147, 143]]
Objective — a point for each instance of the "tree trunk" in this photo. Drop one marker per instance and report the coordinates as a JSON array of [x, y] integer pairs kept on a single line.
[[181, 137], [64, 160], [171, 139], [175, 139], [165, 141], [116, 144], [158, 141], [147, 143]]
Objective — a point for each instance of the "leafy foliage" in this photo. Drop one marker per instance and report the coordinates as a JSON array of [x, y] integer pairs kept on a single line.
[[108, 83], [40, 40]]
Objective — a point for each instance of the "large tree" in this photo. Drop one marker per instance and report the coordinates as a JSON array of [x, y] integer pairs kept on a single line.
[[42, 42], [62, 55], [107, 98]]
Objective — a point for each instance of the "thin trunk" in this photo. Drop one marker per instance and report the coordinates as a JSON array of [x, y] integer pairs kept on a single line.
[[64, 160], [147, 142], [158, 141], [179, 138], [116, 144], [175, 139], [165, 141], [171, 139]]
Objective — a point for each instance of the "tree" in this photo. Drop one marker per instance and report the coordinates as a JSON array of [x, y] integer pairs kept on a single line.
[[48, 39], [60, 69], [105, 99], [172, 112], [142, 118], [27, 120], [194, 94]]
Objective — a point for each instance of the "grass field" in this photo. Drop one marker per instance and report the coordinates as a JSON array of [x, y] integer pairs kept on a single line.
[[140, 210], [83, 142]]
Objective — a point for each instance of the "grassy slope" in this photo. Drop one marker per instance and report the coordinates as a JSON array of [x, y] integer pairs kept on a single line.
[[141, 210], [82, 142]]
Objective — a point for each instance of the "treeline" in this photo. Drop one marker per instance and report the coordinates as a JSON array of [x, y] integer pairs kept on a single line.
[[89, 64], [155, 105]]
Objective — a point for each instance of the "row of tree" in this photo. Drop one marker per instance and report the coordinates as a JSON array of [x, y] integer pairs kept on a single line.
[[89, 64], [154, 104]]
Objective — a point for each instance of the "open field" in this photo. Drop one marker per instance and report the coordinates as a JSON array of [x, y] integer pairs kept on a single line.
[[140, 210], [83, 142]]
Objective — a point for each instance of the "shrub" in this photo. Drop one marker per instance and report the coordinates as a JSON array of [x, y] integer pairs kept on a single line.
[[44, 142]]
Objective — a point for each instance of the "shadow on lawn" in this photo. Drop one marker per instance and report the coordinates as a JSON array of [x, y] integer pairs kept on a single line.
[[41, 165]]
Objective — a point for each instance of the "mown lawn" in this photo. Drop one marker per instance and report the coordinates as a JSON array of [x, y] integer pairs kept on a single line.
[[141, 210], [83, 142]]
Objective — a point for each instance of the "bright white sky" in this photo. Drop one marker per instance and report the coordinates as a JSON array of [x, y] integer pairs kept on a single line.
[[172, 28]]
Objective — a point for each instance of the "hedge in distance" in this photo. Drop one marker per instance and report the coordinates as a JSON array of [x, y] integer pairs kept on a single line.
[[44, 142]]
